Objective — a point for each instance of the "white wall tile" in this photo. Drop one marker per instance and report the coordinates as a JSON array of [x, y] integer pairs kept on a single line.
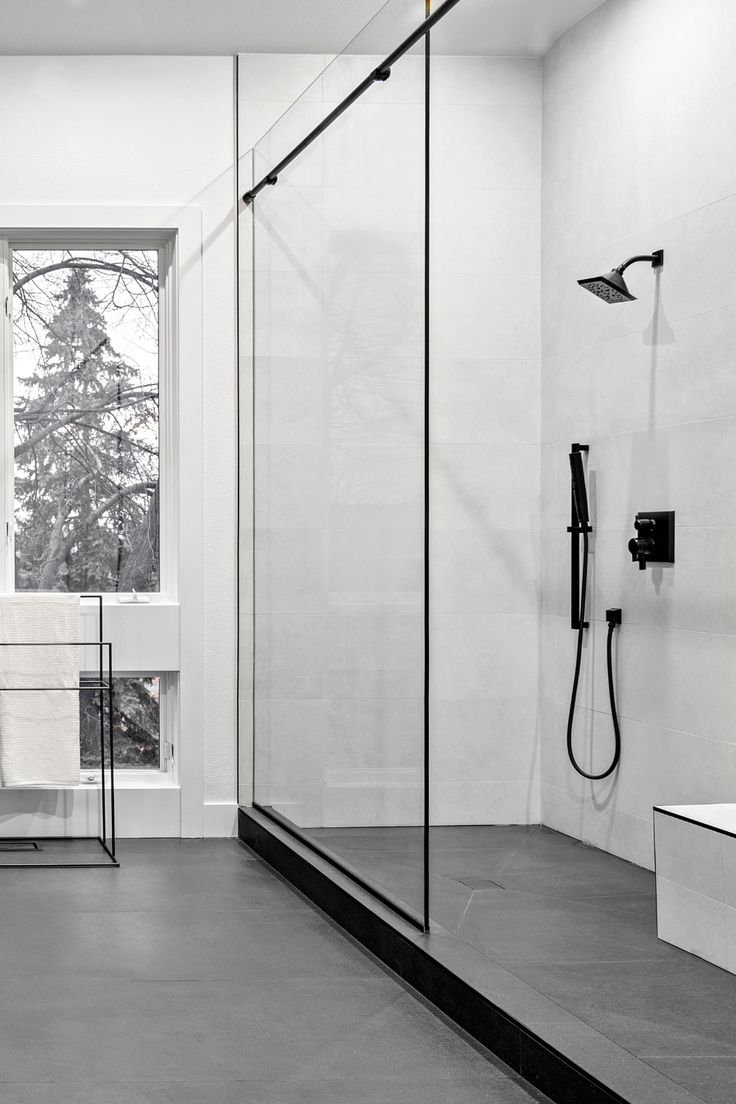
[[484, 571], [484, 402], [280, 77], [373, 229], [291, 744], [622, 834], [292, 401], [372, 311], [686, 468], [375, 399], [484, 487], [486, 80], [289, 653], [376, 486], [677, 596], [693, 162], [491, 316], [374, 654], [361, 151], [477, 655], [493, 739], [288, 314], [292, 489], [476, 229], [293, 574], [383, 803], [376, 567], [689, 684], [565, 397], [375, 733], [493, 146], [485, 802]]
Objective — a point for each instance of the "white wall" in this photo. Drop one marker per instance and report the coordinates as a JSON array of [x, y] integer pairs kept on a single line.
[[146, 131], [639, 123]]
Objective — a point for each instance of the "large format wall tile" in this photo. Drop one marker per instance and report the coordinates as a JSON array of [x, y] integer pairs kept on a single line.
[[485, 486], [478, 656], [474, 739], [485, 571], [476, 401]]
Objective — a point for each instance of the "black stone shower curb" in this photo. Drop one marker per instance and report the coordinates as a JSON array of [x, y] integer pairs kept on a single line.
[[548, 1070]]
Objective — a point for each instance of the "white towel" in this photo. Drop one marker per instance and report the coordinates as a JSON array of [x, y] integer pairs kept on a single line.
[[39, 729]]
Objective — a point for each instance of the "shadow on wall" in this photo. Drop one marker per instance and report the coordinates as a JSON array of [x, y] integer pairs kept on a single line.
[[24, 811]]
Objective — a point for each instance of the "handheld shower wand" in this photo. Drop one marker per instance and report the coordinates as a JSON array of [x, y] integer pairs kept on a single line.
[[613, 616]]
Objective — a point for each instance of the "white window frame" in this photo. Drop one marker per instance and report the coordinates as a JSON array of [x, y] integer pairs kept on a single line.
[[168, 725], [164, 242]]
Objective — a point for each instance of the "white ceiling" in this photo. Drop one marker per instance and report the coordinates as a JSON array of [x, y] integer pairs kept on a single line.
[[511, 27]]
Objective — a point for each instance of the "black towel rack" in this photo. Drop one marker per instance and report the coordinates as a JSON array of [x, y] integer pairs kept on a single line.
[[48, 851]]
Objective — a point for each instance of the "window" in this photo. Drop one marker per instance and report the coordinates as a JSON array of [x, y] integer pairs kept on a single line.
[[137, 724], [85, 390], [89, 405]]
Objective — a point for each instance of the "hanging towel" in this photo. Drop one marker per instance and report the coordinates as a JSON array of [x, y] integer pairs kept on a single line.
[[39, 728]]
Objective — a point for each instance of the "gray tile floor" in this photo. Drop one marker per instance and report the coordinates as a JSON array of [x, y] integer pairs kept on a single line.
[[192, 975], [577, 924]]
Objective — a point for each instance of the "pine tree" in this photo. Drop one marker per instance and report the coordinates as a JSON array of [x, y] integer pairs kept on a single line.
[[86, 459]]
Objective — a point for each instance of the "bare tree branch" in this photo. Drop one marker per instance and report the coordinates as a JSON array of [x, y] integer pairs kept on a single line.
[[139, 275]]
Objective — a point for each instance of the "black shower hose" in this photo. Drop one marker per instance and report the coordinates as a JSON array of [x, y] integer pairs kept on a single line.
[[574, 694]]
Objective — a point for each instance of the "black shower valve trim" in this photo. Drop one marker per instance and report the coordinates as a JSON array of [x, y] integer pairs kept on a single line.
[[655, 539]]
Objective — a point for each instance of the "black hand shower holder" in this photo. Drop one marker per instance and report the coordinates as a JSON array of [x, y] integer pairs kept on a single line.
[[575, 528], [100, 682]]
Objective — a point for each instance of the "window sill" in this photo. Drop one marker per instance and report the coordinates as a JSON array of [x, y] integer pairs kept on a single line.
[[136, 780]]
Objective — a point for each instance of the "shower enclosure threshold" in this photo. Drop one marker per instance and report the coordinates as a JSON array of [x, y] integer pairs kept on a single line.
[[547, 1045]]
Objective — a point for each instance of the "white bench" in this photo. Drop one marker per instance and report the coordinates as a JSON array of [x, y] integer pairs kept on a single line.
[[695, 864]]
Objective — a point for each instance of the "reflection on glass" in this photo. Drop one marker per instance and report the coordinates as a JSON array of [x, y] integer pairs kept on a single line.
[[339, 474]]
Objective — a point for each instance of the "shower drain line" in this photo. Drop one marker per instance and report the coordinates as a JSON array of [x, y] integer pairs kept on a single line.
[[479, 883]]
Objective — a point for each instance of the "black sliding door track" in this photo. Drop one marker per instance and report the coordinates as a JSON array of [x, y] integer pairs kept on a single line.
[[381, 73]]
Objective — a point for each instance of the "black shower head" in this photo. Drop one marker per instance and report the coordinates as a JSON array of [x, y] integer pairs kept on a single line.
[[612, 287]]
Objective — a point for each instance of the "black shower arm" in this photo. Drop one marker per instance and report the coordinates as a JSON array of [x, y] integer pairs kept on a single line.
[[656, 259]]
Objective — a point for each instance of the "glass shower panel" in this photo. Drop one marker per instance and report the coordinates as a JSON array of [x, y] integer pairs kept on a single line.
[[485, 468], [339, 472]]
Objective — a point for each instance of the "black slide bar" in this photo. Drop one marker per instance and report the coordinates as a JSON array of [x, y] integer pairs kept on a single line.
[[380, 73], [575, 529]]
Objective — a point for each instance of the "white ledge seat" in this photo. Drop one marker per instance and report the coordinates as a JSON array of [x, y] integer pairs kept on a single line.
[[695, 865]]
